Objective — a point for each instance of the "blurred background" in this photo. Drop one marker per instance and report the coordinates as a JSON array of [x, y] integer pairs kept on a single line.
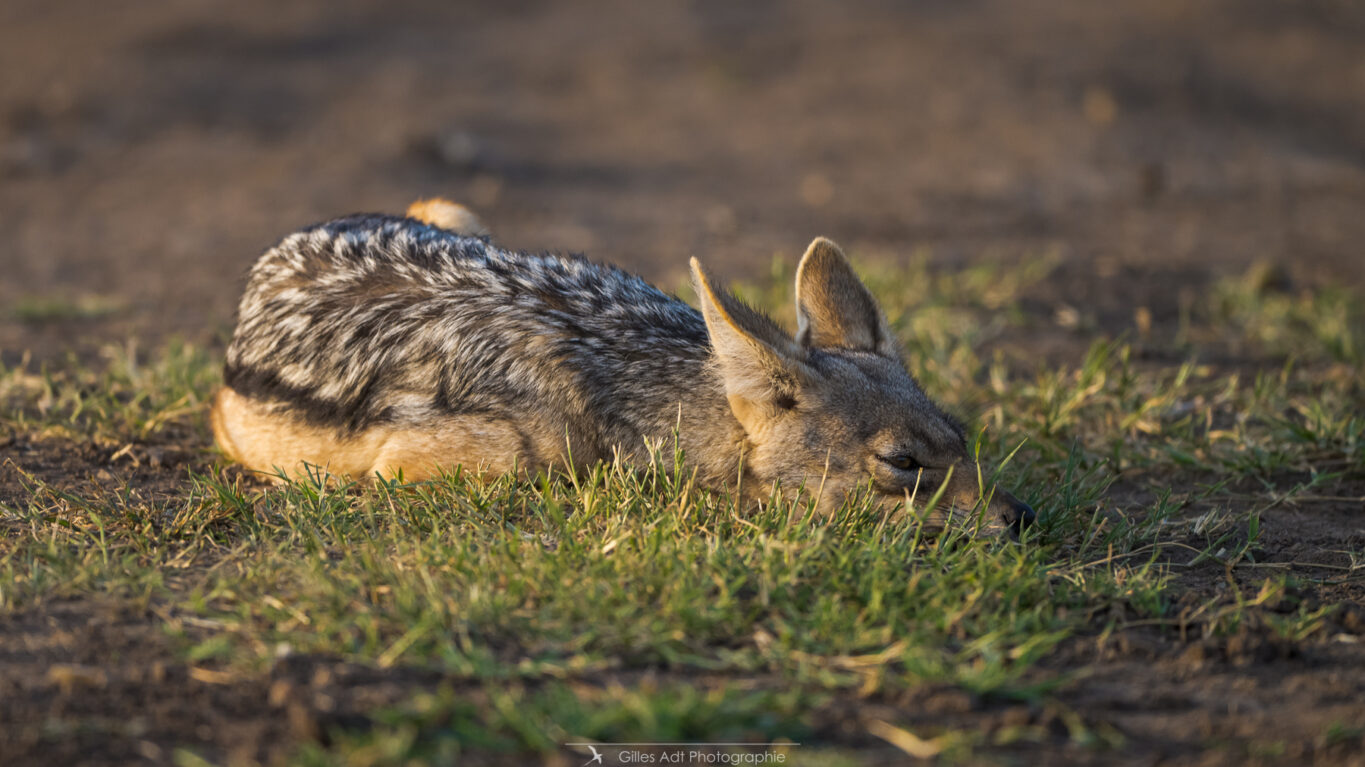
[[150, 151]]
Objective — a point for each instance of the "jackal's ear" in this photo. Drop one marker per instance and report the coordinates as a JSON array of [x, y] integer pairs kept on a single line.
[[834, 308], [762, 366]]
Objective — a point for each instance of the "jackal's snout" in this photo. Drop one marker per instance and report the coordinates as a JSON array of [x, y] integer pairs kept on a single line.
[[1016, 514]]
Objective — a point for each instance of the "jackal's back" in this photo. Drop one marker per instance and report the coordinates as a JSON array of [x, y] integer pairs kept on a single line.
[[368, 320]]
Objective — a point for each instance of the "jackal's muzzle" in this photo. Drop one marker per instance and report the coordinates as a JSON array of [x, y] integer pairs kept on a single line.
[[1012, 512]]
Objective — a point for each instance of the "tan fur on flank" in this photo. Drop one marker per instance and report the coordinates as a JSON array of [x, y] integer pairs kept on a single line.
[[269, 439]]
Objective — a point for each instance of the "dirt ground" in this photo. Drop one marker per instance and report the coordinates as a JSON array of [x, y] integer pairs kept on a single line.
[[149, 152]]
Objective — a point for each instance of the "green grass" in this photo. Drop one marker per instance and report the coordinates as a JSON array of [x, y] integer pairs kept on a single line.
[[627, 604], [42, 309]]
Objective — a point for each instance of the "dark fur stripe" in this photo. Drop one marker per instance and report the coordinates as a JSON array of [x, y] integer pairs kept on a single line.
[[265, 386]]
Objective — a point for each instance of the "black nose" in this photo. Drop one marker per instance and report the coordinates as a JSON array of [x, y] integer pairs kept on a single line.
[[1019, 516]]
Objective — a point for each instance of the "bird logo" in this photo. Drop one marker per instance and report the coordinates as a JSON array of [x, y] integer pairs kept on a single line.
[[596, 757]]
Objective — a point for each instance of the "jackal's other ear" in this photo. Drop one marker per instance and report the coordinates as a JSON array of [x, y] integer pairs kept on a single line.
[[834, 308], [762, 366]]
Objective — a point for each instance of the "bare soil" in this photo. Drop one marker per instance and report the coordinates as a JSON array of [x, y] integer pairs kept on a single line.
[[149, 152]]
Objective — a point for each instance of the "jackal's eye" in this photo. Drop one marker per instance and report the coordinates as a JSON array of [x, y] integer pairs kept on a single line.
[[901, 461]]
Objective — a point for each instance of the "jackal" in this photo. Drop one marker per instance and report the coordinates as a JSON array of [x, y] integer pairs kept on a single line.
[[373, 344]]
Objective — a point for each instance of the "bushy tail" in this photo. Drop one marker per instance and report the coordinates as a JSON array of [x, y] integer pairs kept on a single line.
[[447, 215]]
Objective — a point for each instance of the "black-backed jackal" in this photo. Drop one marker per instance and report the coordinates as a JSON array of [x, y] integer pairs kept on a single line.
[[373, 344]]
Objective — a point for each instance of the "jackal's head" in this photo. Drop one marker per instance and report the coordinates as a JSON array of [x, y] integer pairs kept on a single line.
[[835, 407]]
